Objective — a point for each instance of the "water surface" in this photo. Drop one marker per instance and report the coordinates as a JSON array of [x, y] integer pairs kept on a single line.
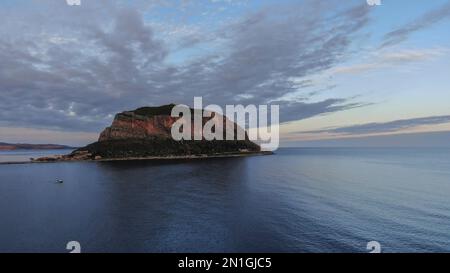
[[26, 155], [299, 200]]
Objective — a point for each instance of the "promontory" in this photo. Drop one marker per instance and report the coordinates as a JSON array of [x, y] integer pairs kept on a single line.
[[145, 133]]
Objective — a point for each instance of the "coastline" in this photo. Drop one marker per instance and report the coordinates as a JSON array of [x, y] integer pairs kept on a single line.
[[204, 156]]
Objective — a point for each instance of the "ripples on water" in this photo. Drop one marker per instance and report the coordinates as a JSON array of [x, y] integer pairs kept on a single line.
[[299, 200]]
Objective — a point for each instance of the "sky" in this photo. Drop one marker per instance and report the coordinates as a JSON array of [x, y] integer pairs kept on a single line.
[[344, 73]]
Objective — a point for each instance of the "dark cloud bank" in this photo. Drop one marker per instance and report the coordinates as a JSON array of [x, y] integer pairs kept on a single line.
[[70, 68]]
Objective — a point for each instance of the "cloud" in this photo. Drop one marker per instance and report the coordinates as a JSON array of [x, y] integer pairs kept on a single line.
[[42, 136], [428, 19], [386, 59], [72, 68], [386, 127], [429, 139], [264, 52]]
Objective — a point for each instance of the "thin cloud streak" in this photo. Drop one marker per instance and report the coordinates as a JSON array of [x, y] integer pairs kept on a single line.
[[382, 60], [386, 127], [428, 19]]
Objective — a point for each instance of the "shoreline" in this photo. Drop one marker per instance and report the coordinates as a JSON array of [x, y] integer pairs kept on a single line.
[[205, 156]]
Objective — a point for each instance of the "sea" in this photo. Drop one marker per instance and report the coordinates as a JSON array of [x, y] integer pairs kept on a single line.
[[323, 200]]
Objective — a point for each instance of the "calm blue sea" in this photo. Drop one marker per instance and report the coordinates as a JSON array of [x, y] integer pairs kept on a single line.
[[299, 200]]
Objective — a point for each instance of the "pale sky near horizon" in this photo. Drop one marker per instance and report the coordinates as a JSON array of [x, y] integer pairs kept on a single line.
[[338, 69]]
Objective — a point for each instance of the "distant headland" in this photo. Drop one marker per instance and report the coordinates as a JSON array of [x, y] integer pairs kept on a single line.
[[24, 146], [145, 133]]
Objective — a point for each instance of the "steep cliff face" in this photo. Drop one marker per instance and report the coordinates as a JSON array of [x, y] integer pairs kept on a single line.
[[149, 122], [146, 132], [128, 125]]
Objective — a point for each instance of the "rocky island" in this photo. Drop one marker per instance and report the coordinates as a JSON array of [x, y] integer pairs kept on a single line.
[[145, 133]]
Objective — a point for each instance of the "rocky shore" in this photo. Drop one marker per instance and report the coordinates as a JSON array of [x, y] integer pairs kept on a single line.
[[88, 157]]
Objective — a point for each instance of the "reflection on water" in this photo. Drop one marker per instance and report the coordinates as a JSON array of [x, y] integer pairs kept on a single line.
[[299, 200]]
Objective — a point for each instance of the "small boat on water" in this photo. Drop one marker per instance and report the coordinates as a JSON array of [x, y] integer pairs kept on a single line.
[[59, 181]]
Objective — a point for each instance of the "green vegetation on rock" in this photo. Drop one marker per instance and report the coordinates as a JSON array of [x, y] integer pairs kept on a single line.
[[155, 146], [155, 111]]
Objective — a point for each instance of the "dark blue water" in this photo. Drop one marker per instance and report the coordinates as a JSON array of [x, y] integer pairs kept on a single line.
[[299, 200]]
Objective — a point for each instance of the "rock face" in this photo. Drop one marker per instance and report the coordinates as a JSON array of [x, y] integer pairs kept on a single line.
[[149, 122], [146, 132], [129, 125]]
